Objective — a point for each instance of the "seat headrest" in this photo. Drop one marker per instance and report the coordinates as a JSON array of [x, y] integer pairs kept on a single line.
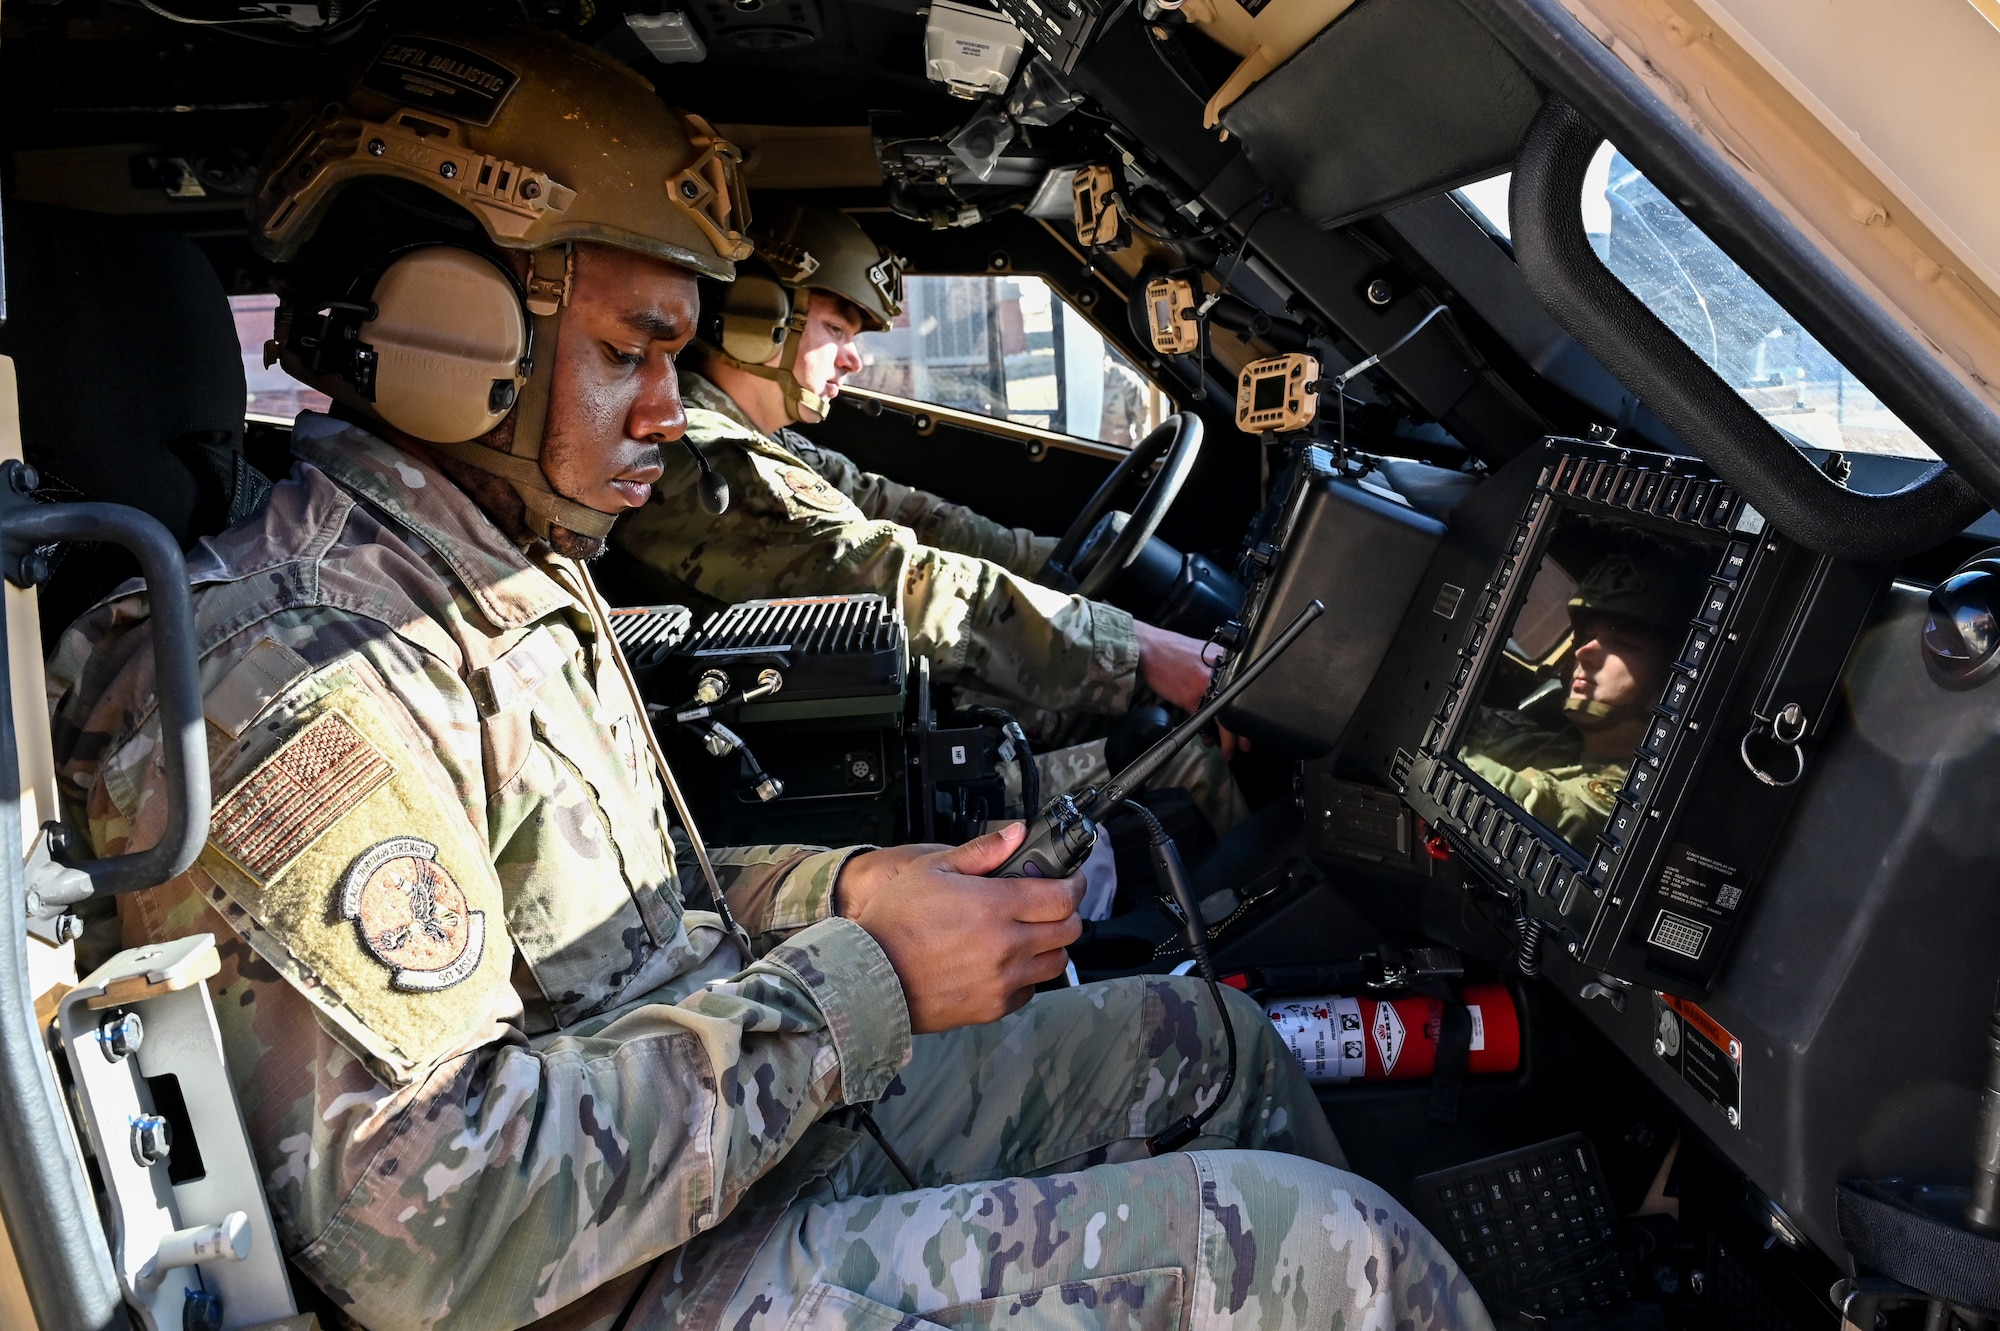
[[131, 380]]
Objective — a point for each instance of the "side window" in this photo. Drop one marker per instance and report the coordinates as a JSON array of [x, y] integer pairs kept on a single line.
[[1719, 311], [272, 391], [1008, 347]]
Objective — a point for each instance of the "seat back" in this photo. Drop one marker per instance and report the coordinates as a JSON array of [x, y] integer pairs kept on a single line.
[[131, 384]]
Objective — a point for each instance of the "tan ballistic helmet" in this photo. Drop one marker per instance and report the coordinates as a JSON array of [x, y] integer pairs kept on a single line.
[[808, 249], [545, 142], [1644, 585]]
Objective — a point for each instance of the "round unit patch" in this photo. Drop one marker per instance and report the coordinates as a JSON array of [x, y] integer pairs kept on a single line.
[[812, 489], [412, 915]]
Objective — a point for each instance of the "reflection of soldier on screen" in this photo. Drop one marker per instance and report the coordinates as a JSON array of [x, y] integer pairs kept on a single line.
[[1626, 617]]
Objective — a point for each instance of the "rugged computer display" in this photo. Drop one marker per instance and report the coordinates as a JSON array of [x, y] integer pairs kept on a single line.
[[1582, 663], [1633, 709]]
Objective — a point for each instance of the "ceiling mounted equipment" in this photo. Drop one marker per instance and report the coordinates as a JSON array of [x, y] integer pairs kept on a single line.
[[761, 25], [670, 37], [971, 51]]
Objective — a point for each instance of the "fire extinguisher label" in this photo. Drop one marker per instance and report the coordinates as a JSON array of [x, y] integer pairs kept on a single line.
[[1478, 1029], [1325, 1035], [1388, 1033]]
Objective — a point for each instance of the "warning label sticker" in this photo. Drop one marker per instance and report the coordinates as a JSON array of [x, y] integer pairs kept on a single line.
[[1388, 1033], [1325, 1035], [1704, 1053]]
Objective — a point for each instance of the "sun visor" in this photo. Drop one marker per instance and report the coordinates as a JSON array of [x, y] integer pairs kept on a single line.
[[1419, 96]]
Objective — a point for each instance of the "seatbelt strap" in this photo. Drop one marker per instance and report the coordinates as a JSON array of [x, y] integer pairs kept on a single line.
[[1454, 1052], [1888, 1226]]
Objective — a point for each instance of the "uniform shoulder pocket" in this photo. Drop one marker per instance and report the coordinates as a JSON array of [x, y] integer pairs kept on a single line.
[[361, 876], [799, 490]]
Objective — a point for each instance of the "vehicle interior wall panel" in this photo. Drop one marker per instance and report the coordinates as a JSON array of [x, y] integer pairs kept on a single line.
[[1424, 98], [1859, 987], [806, 157], [967, 466], [1150, 103], [1914, 83]]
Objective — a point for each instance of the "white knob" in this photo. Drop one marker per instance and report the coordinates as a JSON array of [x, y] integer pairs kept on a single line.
[[228, 1240]]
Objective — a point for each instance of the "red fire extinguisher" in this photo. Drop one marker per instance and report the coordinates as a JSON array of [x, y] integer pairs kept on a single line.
[[1351, 1039]]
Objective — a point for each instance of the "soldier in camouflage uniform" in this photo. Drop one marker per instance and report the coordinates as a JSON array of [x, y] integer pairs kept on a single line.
[[494, 1069], [804, 520], [1626, 615]]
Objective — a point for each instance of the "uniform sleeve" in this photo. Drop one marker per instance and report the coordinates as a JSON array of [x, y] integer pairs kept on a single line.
[[973, 618], [937, 522], [774, 891], [429, 1166]]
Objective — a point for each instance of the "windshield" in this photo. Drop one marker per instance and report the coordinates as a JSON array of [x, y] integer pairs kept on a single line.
[[1714, 306], [1011, 348]]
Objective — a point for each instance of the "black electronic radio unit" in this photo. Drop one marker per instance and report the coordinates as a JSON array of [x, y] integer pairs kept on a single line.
[[1061, 28], [1636, 696]]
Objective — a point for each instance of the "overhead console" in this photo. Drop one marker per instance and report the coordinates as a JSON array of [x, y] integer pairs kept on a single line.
[[1633, 707]]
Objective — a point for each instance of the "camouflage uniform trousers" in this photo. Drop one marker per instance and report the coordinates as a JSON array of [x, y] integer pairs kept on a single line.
[[1199, 768], [1255, 1226]]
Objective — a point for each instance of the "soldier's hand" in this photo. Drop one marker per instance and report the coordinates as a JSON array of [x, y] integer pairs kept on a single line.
[[862, 875], [971, 949], [1171, 665]]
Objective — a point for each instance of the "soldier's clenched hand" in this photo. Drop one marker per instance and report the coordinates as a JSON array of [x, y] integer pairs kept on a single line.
[[1173, 666], [971, 949]]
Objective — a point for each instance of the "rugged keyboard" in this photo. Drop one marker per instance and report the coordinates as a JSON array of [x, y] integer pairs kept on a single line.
[[1533, 1229]]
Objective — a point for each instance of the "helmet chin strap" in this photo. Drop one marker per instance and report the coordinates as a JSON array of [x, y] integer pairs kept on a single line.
[[1590, 714], [798, 399], [521, 465]]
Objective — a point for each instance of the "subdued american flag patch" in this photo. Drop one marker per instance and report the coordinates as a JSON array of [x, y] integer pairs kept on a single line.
[[296, 794]]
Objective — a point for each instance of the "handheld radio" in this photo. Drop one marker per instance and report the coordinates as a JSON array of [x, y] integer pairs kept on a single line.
[[1061, 836]]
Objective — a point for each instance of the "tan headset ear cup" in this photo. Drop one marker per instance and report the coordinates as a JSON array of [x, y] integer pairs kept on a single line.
[[448, 327], [754, 311]]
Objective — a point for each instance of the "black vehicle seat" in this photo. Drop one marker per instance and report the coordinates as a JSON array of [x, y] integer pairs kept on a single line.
[[131, 385]]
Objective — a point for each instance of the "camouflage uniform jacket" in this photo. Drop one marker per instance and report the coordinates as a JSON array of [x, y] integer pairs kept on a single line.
[[789, 532], [487, 1058], [1546, 773], [937, 522]]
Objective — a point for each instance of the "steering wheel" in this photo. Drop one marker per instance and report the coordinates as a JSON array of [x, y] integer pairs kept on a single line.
[[1178, 438]]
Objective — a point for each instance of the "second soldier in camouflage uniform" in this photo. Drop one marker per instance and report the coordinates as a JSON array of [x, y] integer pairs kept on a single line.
[[803, 520], [494, 1070]]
